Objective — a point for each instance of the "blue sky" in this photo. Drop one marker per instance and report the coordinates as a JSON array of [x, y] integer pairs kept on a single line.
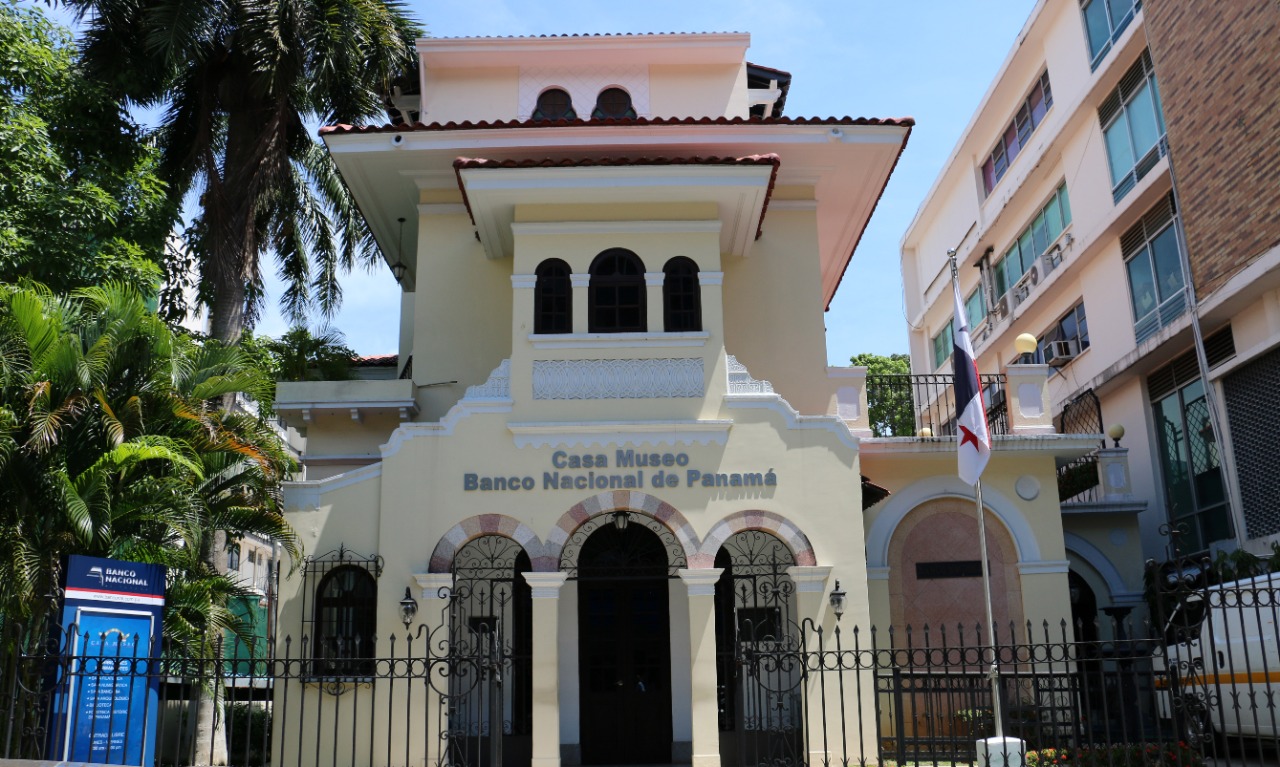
[[928, 59]]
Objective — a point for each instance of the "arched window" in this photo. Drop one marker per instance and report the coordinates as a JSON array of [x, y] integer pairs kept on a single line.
[[616, 299], [346, 613], [554, 104], [681, 296], [613, 102], [553, 298]]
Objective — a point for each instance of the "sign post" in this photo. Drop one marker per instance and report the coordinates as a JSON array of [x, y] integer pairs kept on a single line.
[[108, 690]]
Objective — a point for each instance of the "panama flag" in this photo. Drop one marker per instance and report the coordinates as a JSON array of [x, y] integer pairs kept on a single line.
[[975, 443]]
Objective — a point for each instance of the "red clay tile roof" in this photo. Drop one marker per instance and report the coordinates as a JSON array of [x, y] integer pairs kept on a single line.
[[769, 69], [341, 130], [377, 361], [474, 163]]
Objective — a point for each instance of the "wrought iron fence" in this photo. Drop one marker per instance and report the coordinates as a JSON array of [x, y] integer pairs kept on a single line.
[[1197, 682], [903, 405]]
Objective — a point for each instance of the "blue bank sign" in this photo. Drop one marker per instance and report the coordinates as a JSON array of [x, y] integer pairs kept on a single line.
[[108, 698]]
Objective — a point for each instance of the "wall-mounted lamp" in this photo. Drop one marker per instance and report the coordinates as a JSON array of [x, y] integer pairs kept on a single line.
[[620, 521], [408, 607], [398, 268], [1116, 432], [837, 600]]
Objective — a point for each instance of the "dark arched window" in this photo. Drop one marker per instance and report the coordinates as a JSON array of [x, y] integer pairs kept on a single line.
[[554, 104], [553, 298], [346, 613], [616, 299], [613, 102], [681, 296]]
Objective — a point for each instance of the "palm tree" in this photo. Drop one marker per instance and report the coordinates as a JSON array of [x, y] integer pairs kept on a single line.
[[113, 442], [241, 80]]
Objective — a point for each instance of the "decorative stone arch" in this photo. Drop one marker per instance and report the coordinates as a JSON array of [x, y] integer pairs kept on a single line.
[[1102, 566], [484, 524], [904, 501], [607, 503], [767, 521]]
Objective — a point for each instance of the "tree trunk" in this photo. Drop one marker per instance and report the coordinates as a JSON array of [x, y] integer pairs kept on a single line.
[[210, 743]]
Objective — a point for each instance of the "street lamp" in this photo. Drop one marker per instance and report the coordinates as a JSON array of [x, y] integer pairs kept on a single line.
[[837, 600], [620, 521]]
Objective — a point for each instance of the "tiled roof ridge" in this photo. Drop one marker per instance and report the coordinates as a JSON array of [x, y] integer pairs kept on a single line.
[[344, 129], [568, 35], [479, 163], [376, 360]]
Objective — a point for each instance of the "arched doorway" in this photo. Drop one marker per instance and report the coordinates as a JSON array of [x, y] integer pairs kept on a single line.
[[491, 634], [623, 566], [759, 679]]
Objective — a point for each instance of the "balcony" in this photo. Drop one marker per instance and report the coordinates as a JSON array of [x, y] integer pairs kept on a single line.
[[906, 405]]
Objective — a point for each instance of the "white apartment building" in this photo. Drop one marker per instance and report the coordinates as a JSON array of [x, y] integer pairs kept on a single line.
[[1059, 200]]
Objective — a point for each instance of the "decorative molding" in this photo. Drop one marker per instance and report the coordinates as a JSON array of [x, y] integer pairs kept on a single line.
[[496, 388], [741, 382], [1044, 567], [812, 578], [616, 227], [654, 279], [636, 501], [524, 280], [701, 582], [792, 205], [545, 585], [442, 209], [583, 84], [619, 340], [601, 433], [660, 378], [305, 495], [475, 527], [770, 522], [433, 585], [877, 573], [580, 279], [1095, 558], [710, 278]]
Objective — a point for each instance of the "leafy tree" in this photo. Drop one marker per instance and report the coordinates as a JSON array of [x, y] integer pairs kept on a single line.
[[303, 355], [240, 81], [113, 443], [889, 402], [80, 201]]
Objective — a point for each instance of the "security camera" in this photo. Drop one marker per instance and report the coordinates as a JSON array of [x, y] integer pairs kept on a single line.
[[397, 140]]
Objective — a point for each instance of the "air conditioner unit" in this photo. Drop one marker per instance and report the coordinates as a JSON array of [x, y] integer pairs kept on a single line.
[[1002, 306], [1060, 352]]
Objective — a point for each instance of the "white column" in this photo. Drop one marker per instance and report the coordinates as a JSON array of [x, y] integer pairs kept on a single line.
[[433, 612], [704, 708], [653, 294], [580, 284], [546, 666]]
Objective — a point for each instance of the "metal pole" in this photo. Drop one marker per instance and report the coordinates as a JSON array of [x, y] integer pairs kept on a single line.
[[994, 673]]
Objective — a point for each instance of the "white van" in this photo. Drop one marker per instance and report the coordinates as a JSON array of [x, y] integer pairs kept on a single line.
[[1223, 662]]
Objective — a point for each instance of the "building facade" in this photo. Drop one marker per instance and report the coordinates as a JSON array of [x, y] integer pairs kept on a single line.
[[1060, 199], [614, 443]]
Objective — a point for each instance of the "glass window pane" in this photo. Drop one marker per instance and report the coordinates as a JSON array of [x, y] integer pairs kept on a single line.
[[1038, 107], [1053, 220], [1002, 279], [1023, 122], [1001, 162], [1012, 145], [1168, 265], [1171, 434], [1141, 112], [1039, 235], [1120, 10], [1155, 91], [1067, 328], [1027, 248], [1142, 285], [988, 175], [1065, 202], [1097, 26], [975, 308], [1119, 151], [1082, 324]]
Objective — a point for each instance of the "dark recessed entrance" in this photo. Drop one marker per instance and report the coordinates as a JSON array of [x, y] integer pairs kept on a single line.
[[624, 655]]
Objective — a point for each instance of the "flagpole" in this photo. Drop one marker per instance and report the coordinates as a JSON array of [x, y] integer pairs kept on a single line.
[[993, 674]]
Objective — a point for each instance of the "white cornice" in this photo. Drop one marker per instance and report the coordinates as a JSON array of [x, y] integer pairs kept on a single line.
[[726, 48], [618, 340], [587, 434], [615, 227]]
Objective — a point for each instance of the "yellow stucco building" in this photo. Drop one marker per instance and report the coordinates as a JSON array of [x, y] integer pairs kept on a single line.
[[614, 450]]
